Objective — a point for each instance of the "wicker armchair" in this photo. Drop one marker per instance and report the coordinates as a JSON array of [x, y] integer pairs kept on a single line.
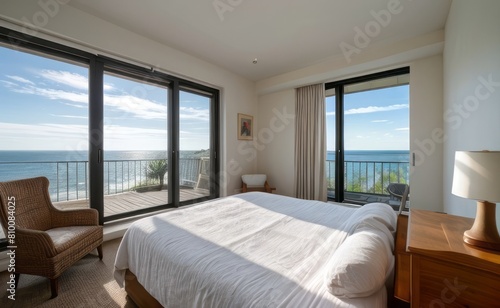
[[47, 240]]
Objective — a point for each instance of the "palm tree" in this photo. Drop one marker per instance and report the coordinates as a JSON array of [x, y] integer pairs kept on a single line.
[[156, 170]]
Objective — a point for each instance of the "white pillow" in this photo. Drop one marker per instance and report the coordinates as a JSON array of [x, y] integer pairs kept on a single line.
[[254, 180], [360, 266]]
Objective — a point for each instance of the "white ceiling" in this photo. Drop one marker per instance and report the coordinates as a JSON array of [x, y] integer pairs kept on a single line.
[[283, 35]]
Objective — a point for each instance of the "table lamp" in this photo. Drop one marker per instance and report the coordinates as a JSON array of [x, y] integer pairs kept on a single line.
[[477, 176]]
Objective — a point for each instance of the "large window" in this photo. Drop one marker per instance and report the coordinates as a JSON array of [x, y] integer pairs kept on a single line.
[[368, 136], [135, 144], [108, 135]]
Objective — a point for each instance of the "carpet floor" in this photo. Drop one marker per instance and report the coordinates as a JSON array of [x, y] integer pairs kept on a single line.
[[88, 283]]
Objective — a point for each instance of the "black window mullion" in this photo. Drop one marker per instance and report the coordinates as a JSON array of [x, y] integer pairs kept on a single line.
[[96, 136], [214, 146], [339, 143], [174, 144]]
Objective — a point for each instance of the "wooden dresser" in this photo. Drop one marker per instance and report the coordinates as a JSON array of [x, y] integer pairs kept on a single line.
[[437, 269]]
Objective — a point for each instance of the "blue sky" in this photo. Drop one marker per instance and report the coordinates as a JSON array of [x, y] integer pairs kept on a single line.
[[45, 107], [374, 120]]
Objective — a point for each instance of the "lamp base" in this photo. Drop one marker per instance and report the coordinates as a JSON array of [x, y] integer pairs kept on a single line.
[[484, 233]]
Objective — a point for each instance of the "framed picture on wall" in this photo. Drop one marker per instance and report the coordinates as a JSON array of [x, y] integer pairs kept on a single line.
[[245, 127]]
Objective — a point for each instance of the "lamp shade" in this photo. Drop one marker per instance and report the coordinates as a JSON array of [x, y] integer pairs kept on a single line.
[[477, 175]]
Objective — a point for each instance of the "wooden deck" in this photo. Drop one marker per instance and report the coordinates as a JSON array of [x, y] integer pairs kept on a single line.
[[130, 201]]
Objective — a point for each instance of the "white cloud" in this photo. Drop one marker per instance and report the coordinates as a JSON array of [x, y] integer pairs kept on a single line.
[[120, 138], [194, 113], [61, 95], [371, 109], [331, 113], [73, 80], [380, 121], [76, 105], [140, 107], [66, 78], [49, 136], [403, 128], [53, 94], [9, 84], [127, 132], [41, 132], [20, 79], [69, 116]]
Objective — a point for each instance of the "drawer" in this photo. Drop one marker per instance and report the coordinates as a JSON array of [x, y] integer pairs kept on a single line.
[[441, 284]]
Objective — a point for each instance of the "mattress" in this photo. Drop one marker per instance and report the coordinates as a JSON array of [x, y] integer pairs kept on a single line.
[[247, 250]]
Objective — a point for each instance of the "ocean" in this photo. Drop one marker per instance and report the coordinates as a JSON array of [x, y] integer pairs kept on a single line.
[[373, 156]]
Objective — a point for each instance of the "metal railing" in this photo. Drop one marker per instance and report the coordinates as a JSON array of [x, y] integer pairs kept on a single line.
[[370, 177], [69, 180]]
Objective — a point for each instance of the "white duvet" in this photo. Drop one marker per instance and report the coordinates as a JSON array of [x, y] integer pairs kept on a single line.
[[248, 250]]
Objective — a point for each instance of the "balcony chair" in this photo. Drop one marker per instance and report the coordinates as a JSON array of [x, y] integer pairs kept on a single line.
[[47, 240], [255, 182], [203, 173], [398, 195]]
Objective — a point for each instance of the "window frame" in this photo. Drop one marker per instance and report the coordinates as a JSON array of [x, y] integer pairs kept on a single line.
[[98, 65], [339, 87]]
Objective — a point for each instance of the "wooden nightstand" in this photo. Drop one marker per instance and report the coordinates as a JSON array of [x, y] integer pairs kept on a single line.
[[444, 271]]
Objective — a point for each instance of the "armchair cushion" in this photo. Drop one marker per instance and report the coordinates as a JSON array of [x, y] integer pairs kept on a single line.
[[67, 237], [254, 180]]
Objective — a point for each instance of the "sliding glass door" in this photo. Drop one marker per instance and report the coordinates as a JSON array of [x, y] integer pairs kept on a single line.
[[195, 146], [135, 162], [44, 123], [121, 138], [372, 140]]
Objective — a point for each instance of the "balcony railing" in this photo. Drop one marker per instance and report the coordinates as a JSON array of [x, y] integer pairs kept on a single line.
[[69, 180], [368, 177]]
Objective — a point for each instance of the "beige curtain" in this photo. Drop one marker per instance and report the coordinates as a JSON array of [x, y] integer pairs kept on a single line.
[[310, 143]]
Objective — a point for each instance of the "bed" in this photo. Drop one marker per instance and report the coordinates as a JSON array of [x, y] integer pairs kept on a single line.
[[260, 250]]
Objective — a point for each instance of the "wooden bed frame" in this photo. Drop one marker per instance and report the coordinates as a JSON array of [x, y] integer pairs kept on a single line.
[[137, 293]]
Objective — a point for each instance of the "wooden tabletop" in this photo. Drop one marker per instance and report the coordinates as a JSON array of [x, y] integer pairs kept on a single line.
[[441, 236]]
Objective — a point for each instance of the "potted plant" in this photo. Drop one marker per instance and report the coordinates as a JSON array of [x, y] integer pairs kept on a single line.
[[156, 170]]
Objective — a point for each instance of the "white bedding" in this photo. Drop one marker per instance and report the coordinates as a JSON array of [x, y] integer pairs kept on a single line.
[[248, 250]]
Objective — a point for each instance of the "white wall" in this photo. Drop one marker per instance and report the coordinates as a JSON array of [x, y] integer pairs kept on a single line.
[[276, 138], [471, 102], [426, 133], [75, 28]]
